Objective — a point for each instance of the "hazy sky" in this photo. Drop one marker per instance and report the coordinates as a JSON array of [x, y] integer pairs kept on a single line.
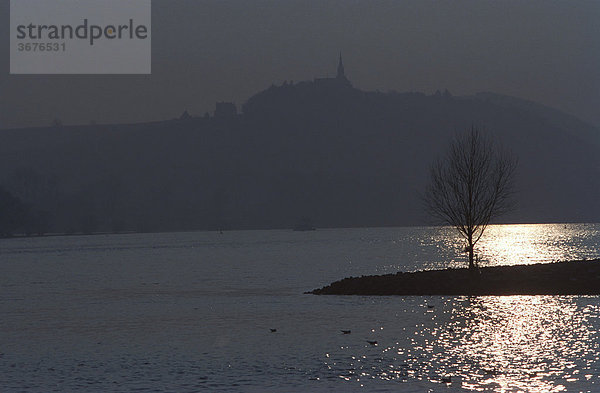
[[219, 50]]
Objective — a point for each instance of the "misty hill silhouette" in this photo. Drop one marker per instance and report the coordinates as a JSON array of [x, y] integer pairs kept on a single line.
[[321, 150]]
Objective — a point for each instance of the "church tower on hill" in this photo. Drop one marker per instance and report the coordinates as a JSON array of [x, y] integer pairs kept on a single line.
[[340, 69], [340, 78], [341, 75]]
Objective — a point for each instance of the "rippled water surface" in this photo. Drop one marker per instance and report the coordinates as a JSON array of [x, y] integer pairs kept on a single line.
[[194, 312]]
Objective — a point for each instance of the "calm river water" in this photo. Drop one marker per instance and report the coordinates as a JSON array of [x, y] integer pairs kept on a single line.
[[188, 312]]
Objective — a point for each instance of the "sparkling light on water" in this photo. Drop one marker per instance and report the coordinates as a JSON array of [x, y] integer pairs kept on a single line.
[[515, 244], [520, 343], [531, 344], [193, 312], [499, 343], [532, 243]]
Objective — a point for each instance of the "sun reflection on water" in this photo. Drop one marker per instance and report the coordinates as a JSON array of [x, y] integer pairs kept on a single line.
[[519, 343], [516, 244], [493, 344], [531, 243]]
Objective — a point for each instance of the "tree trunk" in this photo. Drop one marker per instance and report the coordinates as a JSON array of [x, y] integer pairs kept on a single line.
[[471, 255]]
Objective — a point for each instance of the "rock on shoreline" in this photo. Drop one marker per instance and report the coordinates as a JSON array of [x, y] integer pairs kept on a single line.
[[560, 278]]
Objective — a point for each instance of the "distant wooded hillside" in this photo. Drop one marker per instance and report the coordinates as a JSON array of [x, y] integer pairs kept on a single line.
[[318, 150]]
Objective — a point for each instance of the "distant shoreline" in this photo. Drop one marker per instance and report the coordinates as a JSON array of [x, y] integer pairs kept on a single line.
[[560, 278], [275, 228]]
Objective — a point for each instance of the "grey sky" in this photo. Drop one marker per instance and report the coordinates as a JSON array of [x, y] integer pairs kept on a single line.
[[207, 51]]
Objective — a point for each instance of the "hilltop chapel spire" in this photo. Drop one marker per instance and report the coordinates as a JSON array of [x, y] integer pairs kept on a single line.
[[340, 69], [340, 78]]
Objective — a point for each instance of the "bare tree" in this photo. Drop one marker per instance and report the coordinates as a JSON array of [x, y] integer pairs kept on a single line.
[[470, 186]]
